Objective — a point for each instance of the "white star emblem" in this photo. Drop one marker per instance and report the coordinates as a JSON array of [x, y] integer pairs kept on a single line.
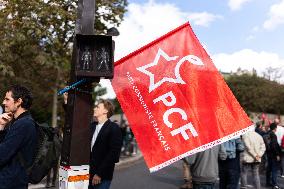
[[191, 58]]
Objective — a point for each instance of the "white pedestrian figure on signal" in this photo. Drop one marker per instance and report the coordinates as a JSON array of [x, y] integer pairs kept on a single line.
[[86, 58], [104, 57]]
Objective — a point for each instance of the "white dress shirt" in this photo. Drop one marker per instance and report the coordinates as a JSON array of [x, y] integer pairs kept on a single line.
[[96, 133], [279, 133]]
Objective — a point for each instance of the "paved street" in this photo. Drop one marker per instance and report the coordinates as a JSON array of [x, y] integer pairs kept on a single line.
[[139, 177], [135, 175]]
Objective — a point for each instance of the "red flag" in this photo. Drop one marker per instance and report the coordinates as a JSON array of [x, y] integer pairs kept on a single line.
[[263, 116], [175, 100]]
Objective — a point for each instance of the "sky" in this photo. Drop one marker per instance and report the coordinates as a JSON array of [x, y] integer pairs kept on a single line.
[[246, 34]]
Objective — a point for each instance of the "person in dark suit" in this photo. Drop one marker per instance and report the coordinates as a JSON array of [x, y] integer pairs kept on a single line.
[[106, 145], [273, 151], [18, 136]]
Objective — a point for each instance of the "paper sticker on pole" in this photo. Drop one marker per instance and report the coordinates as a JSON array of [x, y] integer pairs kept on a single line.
[[175, 100]]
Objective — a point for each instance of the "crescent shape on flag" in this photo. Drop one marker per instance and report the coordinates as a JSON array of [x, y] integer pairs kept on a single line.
[[178, 80], [190, 58]]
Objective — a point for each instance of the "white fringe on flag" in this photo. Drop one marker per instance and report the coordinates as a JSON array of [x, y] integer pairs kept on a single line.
[[203, 148]]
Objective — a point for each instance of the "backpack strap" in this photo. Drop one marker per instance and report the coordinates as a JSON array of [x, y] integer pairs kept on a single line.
[[20, 157]]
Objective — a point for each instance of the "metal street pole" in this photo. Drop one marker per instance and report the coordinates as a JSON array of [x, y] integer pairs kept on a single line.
[[92, 59]]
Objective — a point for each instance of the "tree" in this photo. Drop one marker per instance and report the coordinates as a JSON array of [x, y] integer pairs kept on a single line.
[[273, 74], [36, 44], [98, 91], [117, 106], [257, 94]]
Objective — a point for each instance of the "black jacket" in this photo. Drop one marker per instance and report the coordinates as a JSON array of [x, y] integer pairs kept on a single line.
[[106, 150], [274, 150], [19, 137], [260, 131]]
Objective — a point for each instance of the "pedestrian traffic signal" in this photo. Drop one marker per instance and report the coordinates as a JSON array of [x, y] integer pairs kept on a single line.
[[94, 56]]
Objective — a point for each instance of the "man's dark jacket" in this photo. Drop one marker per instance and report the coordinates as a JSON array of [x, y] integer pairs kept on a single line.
[[20, 136], [106, 150], [274, 149]]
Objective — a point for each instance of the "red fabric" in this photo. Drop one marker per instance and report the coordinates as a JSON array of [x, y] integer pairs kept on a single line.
[[263, 116], [204, 103], [282, 142]]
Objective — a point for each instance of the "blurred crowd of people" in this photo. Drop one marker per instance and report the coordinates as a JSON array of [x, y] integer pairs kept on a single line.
[[260, 151], [129, 145]]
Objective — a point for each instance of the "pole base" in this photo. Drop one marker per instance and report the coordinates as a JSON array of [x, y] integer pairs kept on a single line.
[[74, 177]]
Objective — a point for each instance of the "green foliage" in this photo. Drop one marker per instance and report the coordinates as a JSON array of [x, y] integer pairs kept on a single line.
[[117, 106], [98, 91], [111, 11], [36, 44], [257, 94]]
